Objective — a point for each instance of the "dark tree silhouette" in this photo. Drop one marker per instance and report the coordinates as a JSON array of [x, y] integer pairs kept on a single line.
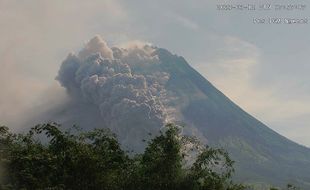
[[49, 158]]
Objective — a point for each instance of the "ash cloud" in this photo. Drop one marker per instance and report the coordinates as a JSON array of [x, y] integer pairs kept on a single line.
[[96, 44], [121, 85]]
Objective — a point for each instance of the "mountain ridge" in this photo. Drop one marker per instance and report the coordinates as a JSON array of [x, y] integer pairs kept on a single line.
[[271, 145]]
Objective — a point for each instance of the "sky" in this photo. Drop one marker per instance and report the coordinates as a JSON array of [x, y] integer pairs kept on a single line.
[[261, 67]]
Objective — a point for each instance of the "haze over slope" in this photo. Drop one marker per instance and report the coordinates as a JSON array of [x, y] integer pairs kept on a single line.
[[135, 90]]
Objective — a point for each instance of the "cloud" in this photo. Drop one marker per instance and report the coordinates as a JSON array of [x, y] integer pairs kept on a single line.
[[123, 96], [96, 45], [234, 72], [35, 37], [184, 21]]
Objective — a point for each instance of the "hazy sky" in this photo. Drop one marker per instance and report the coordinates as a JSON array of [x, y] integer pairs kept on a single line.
[[263, 68]]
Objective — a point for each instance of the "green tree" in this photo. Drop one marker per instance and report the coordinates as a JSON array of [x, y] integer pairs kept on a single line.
[[162, 165], [162, 161], [48, 158], [5, 142], [90, 160]]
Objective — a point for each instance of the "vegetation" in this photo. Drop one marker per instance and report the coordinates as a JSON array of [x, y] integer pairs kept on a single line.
[[48, 158]]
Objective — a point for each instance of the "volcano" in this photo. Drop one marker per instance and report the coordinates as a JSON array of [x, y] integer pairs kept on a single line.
[[135, 90]]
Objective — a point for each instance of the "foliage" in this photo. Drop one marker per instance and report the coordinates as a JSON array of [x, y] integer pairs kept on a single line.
[[48, 158]]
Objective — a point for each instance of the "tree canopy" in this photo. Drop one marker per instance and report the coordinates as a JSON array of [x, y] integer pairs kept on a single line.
[[48, 157]]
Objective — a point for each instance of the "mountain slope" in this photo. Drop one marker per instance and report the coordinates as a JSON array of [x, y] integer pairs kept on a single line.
[[260, 153]]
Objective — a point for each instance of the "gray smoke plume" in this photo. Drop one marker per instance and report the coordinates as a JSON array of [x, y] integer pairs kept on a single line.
[[131, 100]]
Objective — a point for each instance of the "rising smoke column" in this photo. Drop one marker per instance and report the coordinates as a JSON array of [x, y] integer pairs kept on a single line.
[[130, 103]]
